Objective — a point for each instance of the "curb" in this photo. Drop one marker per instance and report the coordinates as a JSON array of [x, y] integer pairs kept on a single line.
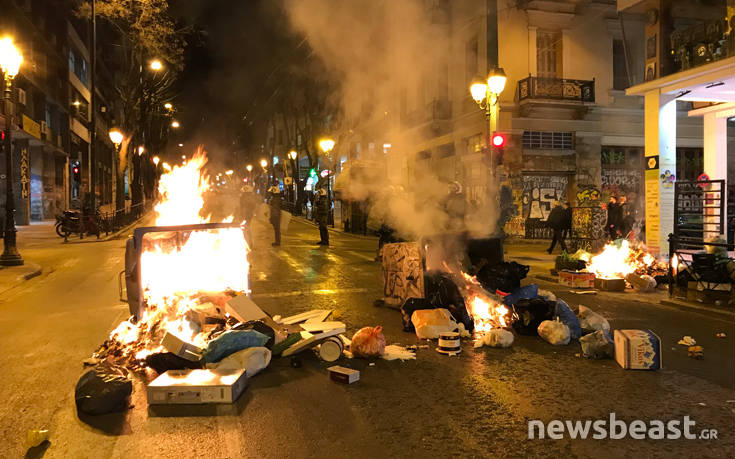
[[687, 305], [32, 270]]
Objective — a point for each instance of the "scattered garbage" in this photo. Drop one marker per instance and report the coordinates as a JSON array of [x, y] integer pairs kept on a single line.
[[197, 386], [527, 291], [564, 313], [252, 360], [641, 284], [331, 349], [343, 375], [613, 284], [164, 361], [395, 352], [576, 279], [497, 337], [103, 389], [441, 292], [529, 314], [230, 342], [505, 276], [428, 323], [687, 341], [546, 295], [244, 309], [449, 343], [554, 332], [463, 332], [181, 348], [696, 352], [721, 335], [260, 327], [35, 437], [286, 343], [408, 308], [597, 345], [368, 342], [637, 349], [591, 321]]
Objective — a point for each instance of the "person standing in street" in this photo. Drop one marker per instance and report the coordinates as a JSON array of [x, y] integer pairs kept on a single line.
[[567, 229], [613, 218], [626, 217], [322, 216], [556, 222], [274, 203], [248, 203]]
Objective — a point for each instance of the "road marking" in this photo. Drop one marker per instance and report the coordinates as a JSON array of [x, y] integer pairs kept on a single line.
[[360, 255], [322, 291]]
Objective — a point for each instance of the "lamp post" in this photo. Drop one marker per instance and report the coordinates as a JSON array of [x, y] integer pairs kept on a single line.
[[486, 93], [10, 60], [116, 137], [327, 145], [295, 166]]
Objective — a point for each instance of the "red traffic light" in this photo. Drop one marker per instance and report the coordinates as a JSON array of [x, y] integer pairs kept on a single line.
[[498, 140], [76, 170]]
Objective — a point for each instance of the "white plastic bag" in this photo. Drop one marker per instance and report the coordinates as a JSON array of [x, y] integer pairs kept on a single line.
[[430, 322], [252, 360], [497, 337], [591, 321], [554, 332]]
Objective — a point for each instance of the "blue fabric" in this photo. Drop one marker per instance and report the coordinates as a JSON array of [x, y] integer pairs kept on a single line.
[[232, 341], [566, 316], [527, 291]]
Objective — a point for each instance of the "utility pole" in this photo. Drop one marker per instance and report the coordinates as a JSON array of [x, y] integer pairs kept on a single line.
[[93, 118]]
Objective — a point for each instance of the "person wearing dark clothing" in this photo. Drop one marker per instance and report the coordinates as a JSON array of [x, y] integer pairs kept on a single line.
[[567, 229], [322, 216], [614, 217], [626, 216], [275, 210], [248, 204], [557, 222]]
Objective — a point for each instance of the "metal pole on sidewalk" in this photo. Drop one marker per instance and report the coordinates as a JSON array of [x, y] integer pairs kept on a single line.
[[10, 256]]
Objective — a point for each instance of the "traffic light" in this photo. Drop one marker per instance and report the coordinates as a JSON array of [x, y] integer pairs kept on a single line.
[[312, 172], [498, 140], [75, 172]]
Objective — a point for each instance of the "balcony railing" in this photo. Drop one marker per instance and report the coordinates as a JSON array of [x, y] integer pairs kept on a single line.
[[701, 44], [556, 89]]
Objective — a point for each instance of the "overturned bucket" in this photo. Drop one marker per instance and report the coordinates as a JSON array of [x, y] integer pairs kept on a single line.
[[331, 349], [449, 343]]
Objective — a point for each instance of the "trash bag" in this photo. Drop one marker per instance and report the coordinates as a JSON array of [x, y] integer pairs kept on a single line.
[[431, 322], [597, 345], [442, 292], [565, 314], [252, 360], [505, 276], [103, 389], [164, 361], [527, 291], [641, 284], [230, 342], [546, 295], [259, 326], [368, 342], [411, 305], [529, 313], [497, 337], [591, 321], [554, 332]]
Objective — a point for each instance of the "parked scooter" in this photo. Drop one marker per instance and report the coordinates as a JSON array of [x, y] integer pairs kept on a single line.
[[70, 222]]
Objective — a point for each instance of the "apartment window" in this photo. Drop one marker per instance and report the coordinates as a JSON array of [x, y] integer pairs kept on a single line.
[[620, 70], [545, 140], [471, 55], [78, 66], [548, 54]]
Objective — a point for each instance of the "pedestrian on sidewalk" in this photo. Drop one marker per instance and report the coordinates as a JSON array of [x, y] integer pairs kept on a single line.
[[275, 210], [322, 215], [556, 222], [567, 229]]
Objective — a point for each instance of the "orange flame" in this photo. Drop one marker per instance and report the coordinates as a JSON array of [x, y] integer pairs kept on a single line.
[[617, 261]]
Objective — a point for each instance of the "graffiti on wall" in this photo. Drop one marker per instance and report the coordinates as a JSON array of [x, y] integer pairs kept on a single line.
[[617, 181], [539, 194], [588, 196], [588, 228]]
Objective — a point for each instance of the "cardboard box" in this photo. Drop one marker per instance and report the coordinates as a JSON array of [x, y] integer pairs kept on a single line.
[[638, 349], [182, 348], [244, 309], [343, 375], [610, 285], [576, 279], [176, 387]]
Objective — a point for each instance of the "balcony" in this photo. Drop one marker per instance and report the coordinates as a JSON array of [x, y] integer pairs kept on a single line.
[[556, 89]]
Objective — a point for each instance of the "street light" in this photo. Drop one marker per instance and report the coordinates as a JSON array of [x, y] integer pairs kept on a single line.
[[181, 145], [229, 172], [175, 124], [116, 137], [486, 94], [10, 60], [327, 145], [141, 150], [156, 160], [168, 106], [156, 65], [263, 163], [249, 168]]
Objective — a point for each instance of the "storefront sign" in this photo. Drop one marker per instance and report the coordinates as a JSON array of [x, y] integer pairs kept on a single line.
[[653, 211], [25, 174], [31, 127]]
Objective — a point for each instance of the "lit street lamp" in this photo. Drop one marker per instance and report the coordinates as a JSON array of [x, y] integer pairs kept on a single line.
[[10, 60], [156, 65], [175, 124], [168, 106], [327, 145], [293, 155], [486, 93], [156, 160], [263, 163], [249, 168]]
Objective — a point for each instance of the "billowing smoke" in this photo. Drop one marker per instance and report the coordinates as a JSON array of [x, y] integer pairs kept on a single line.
[[388, 55]]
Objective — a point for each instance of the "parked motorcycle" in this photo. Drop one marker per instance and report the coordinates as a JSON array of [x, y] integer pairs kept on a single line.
[[71, 221]]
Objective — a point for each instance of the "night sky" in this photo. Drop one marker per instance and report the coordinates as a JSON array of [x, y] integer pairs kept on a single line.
[[232, 62]]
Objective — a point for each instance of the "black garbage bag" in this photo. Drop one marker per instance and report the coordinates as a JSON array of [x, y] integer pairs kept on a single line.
[[505, 276], [258, 326], [103, 389], [528, 313], [442, 292], [163, 361], [411, 305]]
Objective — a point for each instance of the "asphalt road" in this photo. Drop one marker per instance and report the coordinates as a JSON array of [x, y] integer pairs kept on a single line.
[[474, 405]]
